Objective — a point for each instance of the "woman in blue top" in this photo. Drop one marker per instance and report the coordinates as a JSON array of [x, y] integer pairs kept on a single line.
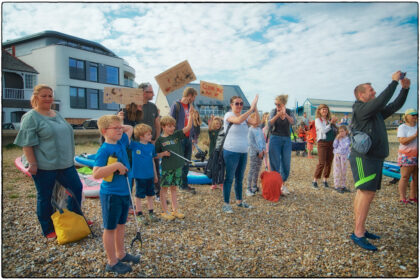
[[235, 149], [48, 144]]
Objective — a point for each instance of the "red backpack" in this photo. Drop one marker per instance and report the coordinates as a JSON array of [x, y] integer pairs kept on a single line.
[[271, 182]]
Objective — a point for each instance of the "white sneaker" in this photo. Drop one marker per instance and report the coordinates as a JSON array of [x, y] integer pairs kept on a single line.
[[284, 190], [249, 193]]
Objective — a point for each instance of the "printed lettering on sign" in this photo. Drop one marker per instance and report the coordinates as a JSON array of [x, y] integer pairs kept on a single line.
[[123, 95], [211, 90], [175, 77]]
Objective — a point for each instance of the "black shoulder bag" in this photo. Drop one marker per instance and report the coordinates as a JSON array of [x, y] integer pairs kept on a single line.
[[215, 168]]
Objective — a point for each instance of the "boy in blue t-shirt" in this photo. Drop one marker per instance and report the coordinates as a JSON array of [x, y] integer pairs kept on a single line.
[[114, 193], [143, 169]]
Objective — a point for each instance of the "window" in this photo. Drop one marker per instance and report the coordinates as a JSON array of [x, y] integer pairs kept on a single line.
[[77, 97], [77, 69], [16, 116], [93, 72], [30, 81], [112, 75], [92, 99]]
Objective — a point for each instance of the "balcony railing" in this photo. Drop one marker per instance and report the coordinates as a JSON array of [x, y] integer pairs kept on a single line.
[[16, 93]]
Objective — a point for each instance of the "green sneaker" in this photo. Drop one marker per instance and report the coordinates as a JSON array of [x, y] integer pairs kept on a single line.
[[142, 219], [153, 218]]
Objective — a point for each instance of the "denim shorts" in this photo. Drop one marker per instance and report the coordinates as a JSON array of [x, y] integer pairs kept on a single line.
[[114, 210], [144, 187]]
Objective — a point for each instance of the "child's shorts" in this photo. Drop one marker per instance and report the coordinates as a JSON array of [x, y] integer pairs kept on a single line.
[[114, 210], [144, 187], [171, 177]]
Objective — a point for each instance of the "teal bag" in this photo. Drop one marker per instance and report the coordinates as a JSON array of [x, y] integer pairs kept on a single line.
[[331, 133]]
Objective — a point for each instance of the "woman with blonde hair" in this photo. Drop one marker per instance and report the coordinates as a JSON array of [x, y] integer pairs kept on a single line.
[[280, 146], [47, 140], [408, 154], [325, 135]]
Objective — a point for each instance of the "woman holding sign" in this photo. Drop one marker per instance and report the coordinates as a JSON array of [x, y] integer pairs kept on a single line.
[[235, 149]]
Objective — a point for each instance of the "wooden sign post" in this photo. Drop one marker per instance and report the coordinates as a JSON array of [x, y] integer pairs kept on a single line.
[[175, 77], [211, 90], [123, 95]]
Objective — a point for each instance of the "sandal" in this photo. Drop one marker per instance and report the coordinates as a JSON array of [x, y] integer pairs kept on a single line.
[[414, 200], [405, 201]]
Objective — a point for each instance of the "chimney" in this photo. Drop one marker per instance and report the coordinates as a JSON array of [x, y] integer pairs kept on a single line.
[[14, 51]]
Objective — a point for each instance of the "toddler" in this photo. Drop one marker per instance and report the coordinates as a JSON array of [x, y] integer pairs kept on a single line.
[[256, 151], [171, 140], [341, 151], [114, 193], [215, 125], [144, 171]]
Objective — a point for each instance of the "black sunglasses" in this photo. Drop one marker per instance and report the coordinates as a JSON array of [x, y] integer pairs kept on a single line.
[[238, 104]]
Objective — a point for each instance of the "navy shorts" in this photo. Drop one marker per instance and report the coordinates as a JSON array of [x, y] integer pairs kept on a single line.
[[114, 210], [367, 173], [144, 187]]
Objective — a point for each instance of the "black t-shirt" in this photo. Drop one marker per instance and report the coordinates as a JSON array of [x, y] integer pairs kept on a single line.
[[281, 127]]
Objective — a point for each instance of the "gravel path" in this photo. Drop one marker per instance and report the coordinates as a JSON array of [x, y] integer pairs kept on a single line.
[[306, 234]]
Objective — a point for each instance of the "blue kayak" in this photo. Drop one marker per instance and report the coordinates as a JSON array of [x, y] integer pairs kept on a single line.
[[391, 169]]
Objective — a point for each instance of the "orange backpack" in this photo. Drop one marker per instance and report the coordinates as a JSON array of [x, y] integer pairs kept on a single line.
[[311, 133]]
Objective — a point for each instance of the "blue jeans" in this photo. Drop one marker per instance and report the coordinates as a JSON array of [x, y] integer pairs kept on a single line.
[[187, 144], [280, 153], [44, 183], [235, 167]]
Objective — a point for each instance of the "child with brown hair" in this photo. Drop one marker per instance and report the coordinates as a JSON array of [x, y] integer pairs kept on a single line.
[[144, 171], [171, 141], [115, 191], [215, 125]]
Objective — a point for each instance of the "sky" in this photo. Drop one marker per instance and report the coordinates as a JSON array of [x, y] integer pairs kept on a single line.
[[305, 50]]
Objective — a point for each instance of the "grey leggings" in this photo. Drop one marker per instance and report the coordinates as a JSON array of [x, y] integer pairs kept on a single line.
[[254, 169]]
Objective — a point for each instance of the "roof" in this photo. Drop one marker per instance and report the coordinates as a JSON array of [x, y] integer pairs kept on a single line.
[[11, 62], [330, 103], [55, 34], [228, 92]]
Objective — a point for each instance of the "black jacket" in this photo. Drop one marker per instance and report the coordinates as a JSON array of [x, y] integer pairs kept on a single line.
[[370, 118]]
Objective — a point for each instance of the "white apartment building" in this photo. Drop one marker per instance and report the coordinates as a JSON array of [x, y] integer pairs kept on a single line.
[[76, 69]]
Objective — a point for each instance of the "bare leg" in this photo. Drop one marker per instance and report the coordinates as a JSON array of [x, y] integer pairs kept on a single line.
[[414, 182], [163, 193], [149, 202], [361, 208], [109, 244], [138, 204], [403, 183], [119, 241], [173, 198]]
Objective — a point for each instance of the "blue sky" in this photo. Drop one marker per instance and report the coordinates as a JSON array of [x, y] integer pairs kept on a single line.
[[305, 50]]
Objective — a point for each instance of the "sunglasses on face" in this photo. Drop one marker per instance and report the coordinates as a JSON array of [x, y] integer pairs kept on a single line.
[[277, 104], [238, 104]]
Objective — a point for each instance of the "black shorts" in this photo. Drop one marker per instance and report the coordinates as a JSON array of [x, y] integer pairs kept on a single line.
[[367, 173]]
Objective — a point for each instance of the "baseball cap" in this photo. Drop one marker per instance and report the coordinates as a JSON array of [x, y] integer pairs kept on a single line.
[[411, 111]]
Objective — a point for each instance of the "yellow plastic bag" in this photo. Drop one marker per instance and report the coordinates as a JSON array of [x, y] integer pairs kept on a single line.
[[69, 226]]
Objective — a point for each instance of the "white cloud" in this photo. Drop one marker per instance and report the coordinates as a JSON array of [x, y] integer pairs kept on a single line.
[[302, 49]]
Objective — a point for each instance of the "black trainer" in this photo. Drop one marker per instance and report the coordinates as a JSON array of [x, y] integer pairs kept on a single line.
[[326, 184], [119, 268], [189, 189], [130, 258], [315, 185]]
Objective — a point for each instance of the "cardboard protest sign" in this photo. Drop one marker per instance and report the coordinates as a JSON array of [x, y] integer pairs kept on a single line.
[[211, 90], [123, 95], [175, 77]]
